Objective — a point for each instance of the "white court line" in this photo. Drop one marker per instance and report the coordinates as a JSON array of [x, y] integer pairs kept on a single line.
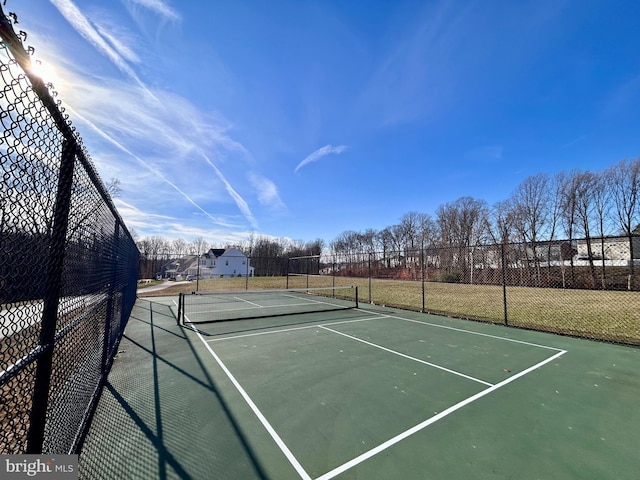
[[409, 357], [292, 329], [398, 438], [407, 433], [247, 301], [276, 438], [471, 332]]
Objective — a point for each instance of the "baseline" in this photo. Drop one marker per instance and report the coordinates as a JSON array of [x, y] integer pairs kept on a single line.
[[421, 426]]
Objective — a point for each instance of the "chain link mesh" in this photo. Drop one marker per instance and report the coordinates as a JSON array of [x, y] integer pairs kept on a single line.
[[549, 286], [549, 291], [68, 267]]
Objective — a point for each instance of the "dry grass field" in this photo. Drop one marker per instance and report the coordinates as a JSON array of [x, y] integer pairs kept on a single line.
[[603, 315]]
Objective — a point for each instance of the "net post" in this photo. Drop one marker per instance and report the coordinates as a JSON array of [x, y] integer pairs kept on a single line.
[[356, 287], [180, 308]]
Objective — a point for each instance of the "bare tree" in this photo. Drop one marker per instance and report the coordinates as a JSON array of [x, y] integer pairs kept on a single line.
[[501, 229], [199, 246], [585, 210], [553, 222], [410, 224], [625, 183], [501, 226], [531, 204], [427, 230], [410, 227], [602, 206], [268, 256], [153, 251], [384, 239], [462, 224], [179, 247], [568, 205]]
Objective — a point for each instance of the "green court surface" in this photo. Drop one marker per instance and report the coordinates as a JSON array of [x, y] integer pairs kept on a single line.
[[368, 393]]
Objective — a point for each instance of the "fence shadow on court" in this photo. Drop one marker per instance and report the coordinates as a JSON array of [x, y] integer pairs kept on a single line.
[[161, 414]]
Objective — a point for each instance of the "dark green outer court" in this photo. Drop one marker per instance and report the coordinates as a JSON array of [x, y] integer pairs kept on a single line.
[[362, 394]]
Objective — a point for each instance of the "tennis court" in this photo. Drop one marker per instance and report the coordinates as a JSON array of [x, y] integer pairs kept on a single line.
[[358, 391]]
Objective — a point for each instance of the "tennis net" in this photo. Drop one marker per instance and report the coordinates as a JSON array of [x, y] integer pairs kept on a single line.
[[207, 307]]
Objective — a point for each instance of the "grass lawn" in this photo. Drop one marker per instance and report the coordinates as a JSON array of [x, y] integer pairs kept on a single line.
[[604, 315]]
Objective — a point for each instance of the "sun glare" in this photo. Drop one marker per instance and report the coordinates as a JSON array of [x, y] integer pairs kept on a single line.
[[46, 72]]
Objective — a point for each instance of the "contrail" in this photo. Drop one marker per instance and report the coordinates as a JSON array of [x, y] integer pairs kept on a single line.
[[113, 141], [83, 26], [242, 205], [321, 152]]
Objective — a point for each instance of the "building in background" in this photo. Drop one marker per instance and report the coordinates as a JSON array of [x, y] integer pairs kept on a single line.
[[220, 263]]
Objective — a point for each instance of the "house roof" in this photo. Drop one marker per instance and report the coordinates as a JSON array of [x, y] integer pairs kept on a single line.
[[233, 252]]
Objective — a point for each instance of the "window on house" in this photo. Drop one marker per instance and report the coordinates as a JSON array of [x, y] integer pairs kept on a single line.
[[227, 262]]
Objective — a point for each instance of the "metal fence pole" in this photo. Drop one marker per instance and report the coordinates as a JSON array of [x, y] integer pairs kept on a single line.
[[504, 284], [53, 290], [106, 348], [288, 261], [370, 276], [179, 308], [422, 273], [333, 270]]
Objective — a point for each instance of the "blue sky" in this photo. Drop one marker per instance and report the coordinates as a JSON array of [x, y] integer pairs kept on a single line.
[[304, 119]]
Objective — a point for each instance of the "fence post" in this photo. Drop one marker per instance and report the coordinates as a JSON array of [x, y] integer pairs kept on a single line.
[[106, 348], [370, 254], [288, 266], [246, 273], [333, 270], [57, 243], [504, 285], [422, 268]]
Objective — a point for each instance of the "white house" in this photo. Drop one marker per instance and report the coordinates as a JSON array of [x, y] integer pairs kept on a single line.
[[220, 263]]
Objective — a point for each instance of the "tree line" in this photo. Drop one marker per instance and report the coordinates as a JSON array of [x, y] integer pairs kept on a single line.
[[269, 256], [543, 208], [569, 205]]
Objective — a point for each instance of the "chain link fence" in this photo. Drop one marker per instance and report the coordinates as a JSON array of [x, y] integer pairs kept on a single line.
[[549, 286], [68, 266]]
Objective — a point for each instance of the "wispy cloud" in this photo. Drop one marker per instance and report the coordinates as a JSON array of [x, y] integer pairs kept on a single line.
[[240, 202], [321, 152], [85, 28], [161, 136], [267, 191], [159, 7], [173, 228], [120, 46], [147, 166]]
